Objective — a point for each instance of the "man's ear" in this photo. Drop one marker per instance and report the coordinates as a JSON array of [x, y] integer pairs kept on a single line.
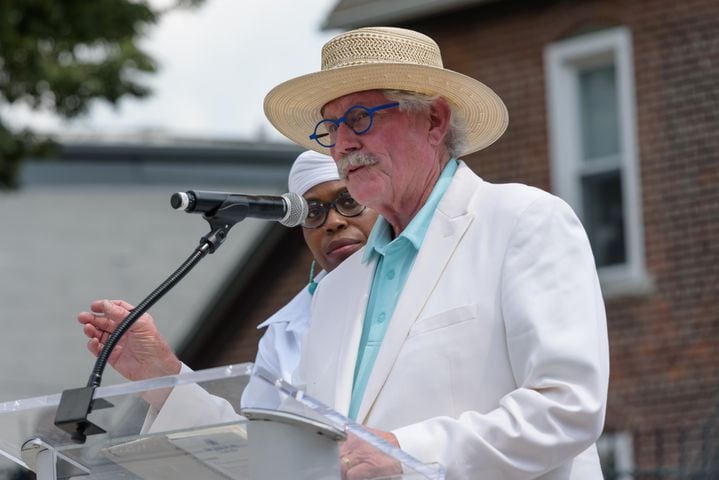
[[440, 114]]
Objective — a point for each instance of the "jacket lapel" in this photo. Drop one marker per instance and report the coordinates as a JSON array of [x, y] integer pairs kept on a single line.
[[330, 350], [448, 225], [352, 331]]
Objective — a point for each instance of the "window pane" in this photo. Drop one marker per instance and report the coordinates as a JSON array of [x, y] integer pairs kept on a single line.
[[604, 217], [598, 112]]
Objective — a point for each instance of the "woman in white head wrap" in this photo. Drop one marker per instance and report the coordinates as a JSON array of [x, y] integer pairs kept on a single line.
[[332, 234], [335, 228]]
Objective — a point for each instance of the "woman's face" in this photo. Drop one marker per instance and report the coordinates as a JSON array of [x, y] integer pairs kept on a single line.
[[339, 236]]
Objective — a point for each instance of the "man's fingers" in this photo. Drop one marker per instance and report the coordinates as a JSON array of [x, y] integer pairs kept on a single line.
[[90, 331], [94, 325], [85, 317], [102, 307], [101, 323], [93, 346], [123, 304], [114, 309]]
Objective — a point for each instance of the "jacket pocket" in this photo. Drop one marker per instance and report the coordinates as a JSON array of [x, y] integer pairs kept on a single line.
[[445, 319]]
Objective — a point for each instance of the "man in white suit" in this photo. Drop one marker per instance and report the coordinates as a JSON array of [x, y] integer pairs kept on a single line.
[[470, 330]]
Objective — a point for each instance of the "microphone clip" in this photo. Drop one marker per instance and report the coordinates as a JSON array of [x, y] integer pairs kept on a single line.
[[219, 228]]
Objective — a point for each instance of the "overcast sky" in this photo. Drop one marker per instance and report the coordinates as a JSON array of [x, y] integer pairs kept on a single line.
[[216, 63]]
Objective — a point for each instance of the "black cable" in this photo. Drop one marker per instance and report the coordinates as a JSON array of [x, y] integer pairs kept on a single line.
[[102, 359]]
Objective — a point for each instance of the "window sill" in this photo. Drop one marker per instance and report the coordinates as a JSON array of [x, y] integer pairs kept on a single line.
[[618, 283]]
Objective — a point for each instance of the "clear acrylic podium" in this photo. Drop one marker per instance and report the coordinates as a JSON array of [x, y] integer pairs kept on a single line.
[[281, 434]]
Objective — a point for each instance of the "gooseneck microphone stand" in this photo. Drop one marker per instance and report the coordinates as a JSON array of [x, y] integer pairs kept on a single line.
[[77, 403]]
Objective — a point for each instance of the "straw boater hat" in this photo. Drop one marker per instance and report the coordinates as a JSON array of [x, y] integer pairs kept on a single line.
[[383, 58]]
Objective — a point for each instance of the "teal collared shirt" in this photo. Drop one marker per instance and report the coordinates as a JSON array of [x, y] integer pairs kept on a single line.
[[394, 262]]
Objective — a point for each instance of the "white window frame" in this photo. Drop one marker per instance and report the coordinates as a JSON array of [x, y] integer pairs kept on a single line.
[[563, 61], [618, 446]]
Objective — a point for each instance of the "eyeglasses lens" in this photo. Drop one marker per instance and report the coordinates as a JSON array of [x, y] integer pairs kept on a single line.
[[316, 215], [358, 118], [348, 206], [344, 204], [326, 132]]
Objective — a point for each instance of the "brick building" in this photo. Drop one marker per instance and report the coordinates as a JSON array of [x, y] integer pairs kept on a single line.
[[613, 106]]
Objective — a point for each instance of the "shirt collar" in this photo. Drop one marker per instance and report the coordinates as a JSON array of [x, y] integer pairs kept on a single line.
[[294, 313]]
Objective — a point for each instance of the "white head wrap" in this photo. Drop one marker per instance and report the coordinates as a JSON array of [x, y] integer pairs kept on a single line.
[[311, 169]]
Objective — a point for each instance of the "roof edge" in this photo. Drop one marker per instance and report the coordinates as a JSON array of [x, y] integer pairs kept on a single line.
[[379, 12]]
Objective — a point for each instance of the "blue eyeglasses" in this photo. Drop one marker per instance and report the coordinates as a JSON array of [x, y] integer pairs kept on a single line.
[[357, 117]]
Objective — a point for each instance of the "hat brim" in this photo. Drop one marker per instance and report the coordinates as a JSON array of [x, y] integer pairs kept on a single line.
[[293, 107]]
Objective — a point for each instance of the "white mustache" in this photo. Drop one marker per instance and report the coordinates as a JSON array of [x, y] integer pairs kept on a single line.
[[355, 159]]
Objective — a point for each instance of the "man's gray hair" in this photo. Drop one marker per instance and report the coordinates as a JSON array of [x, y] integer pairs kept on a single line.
[[456, 136]]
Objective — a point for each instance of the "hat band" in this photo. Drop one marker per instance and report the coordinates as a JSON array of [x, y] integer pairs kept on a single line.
[[348, 51]]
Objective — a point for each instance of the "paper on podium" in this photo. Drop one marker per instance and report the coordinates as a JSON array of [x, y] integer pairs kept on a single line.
[[218, 452]]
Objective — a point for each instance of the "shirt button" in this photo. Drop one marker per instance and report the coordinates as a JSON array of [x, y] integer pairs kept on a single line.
[[390, 275], [381, 317]]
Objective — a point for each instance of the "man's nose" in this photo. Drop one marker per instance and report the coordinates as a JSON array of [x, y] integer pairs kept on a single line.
[[346, 140]]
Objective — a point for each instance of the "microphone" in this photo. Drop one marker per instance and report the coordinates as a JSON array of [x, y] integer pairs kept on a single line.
[[290, 209]]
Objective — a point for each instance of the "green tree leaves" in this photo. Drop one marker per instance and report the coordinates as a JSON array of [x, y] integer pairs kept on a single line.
[[63, 54]]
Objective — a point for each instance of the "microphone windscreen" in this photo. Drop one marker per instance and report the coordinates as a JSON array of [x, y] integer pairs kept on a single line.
[[180, 201], [297, 210]]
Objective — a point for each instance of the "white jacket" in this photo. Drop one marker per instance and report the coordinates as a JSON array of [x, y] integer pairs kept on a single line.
[[495, 362]]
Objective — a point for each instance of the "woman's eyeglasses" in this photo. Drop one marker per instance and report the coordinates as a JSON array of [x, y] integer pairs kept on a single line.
[[357, 117], [343, 204]]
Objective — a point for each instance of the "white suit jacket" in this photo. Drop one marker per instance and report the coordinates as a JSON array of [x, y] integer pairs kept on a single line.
[[495, 362]]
